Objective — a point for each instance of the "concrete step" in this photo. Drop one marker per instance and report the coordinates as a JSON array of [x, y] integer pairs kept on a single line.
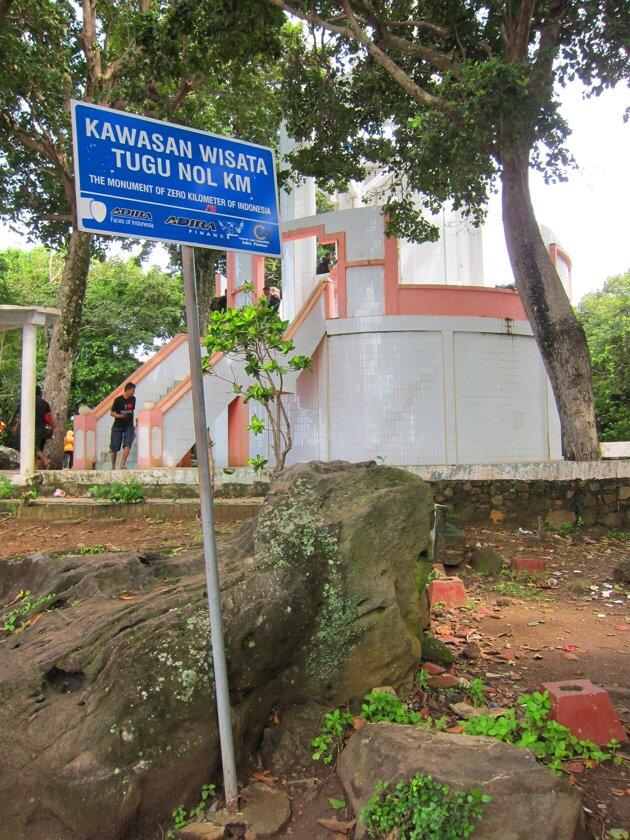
[[66, 509]]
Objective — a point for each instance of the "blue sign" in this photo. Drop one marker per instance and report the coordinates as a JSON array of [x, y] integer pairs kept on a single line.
[[145, 178]]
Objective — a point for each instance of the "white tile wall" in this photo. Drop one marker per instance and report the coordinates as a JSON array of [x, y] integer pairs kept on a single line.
[[365, 292], [501, 399], [363, 227], [386, 397]]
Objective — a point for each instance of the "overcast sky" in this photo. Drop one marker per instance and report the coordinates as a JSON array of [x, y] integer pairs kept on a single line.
[[589, 213]]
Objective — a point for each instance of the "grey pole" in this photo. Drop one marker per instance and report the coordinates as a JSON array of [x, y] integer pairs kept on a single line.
[[207, 525]]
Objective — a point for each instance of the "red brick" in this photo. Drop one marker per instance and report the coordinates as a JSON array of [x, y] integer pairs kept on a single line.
[[585, 709], [432, 669], [444, 681], [533, 565], [450, 591]]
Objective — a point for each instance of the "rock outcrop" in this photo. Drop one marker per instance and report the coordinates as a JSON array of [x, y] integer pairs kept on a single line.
[[107, 717], [527, 800], [9, 458]]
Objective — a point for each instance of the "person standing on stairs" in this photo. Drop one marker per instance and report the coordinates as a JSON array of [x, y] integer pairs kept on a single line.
[[123, 431]]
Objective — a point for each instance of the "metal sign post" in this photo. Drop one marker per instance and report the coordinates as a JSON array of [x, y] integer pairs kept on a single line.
[[150, 179], [207, 526]]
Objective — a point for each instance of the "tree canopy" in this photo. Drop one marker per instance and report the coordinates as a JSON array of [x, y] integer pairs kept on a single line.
[[605, 316], [448, 99], [128, 314]]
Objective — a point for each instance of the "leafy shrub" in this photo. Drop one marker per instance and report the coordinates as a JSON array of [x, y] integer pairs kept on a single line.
[[18, 616], [379, 706], [550, 741], [477, 692], [128, 492], [180, 819], [6, 488], [423, 809]]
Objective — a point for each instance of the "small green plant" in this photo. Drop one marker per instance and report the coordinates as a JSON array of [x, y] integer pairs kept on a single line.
[[6, 488], [477, 692], [452, 514], [615, 534], [381, 459], [119, 492], [336, 724], [31, 494], [422, 680], [381, 706], [533, 730], [337, 804], [180, 819], [18, 616], [254, 335], [92, 549], [423, 809]]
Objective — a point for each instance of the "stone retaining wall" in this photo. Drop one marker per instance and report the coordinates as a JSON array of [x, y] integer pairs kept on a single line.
[[605, 503]]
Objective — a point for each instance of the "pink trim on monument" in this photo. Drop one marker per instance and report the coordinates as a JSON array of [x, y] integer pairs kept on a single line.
[[470, 301], [150, 418], [238, 434]]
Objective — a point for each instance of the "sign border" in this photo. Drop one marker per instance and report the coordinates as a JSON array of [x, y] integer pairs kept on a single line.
[[77, 180]]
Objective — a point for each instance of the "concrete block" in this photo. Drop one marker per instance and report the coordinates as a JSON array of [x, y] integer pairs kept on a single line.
[[585, 709], [450, 591], [530, 565]]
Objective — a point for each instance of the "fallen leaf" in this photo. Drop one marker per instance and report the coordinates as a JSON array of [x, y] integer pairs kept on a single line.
[[336, 825], [264, 776], [18, 597], [34, 618], [569, 648], [127, 596], [358, 722], [455, 730]]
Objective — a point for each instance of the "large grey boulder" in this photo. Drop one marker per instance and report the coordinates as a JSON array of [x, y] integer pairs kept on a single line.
[[9, 458], [107, 715], [527, 800]]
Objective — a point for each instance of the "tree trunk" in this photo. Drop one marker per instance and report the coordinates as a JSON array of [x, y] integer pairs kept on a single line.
[[559, 336], [65, 338], [205, 267]]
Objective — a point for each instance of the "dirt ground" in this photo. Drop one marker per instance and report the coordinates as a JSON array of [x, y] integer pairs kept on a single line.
[[572, 623]]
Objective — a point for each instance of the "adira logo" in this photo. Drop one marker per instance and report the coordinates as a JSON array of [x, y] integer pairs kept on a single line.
[[196, 224], [133, 214]]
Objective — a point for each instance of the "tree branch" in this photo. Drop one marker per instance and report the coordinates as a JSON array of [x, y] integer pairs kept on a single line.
[[5, 5], [356, 33], [91, 50]]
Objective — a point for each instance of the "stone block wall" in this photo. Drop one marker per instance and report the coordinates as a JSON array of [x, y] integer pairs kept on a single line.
[[604, 503]]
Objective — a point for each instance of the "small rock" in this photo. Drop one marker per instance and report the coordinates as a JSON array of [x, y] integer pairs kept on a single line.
[[444, 681], [342, 828], [472, 651], [384, 689], [486, 561], [201, 831], [432, 669], [265, 809], [503, 602], [466, 711]]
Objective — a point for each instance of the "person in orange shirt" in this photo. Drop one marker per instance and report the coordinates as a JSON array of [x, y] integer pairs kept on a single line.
[[68, 449]]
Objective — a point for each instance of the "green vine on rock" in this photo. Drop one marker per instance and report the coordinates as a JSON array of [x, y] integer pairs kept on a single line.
[[423, 809]]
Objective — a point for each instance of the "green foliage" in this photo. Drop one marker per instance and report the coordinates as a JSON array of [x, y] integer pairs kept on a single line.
[[381, 706], [336, 724], [433, 650], [92, 549], [534, 730], [254, 335], [6, 488], [477, 692], [421, 679], [19, 615], [605, 316], [464, 96], [180, 819], [423, 809], [128, 314], [128, 492], [337, 804]]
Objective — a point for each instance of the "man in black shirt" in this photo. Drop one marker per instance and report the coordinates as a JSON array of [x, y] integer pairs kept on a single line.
[[325, 264], [123, 431], [44, 426]]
